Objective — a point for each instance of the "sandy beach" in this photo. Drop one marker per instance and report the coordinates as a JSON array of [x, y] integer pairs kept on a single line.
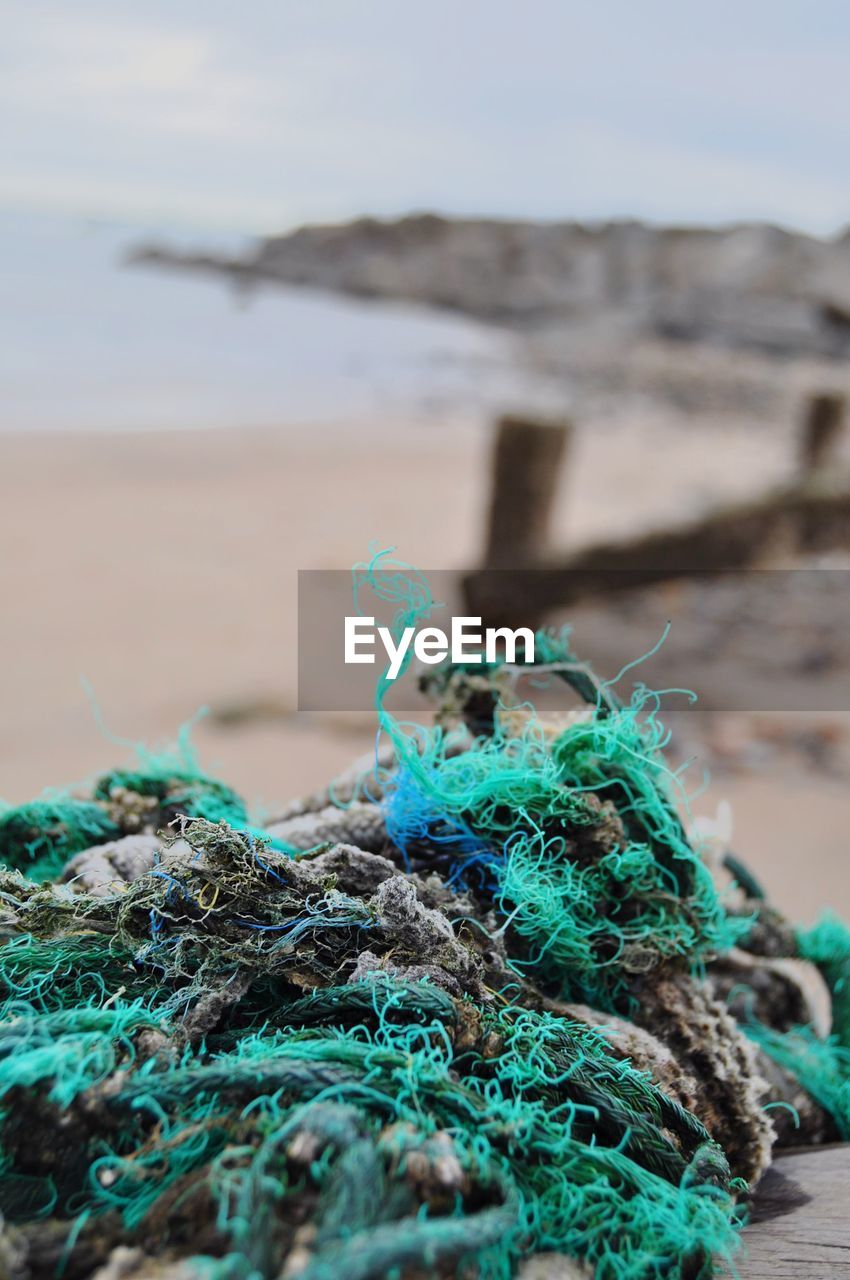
[[161, 568]]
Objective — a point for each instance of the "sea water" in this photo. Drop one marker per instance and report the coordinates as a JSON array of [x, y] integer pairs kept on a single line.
[[90, 342]]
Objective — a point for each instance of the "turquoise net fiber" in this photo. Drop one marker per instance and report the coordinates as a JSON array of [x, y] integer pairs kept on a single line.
[[200, 1063]]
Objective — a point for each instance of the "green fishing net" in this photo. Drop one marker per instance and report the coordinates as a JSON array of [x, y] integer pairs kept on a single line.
[[498, 1014]]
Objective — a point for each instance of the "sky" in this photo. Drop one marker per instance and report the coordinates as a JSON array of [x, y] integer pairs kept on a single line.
[[256, 116]]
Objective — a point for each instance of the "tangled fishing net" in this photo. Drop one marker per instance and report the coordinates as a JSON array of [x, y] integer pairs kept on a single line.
[[481, 999]]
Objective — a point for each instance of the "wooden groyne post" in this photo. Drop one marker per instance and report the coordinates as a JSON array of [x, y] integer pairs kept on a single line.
[[522, 580], [824, 425], [528, 455]]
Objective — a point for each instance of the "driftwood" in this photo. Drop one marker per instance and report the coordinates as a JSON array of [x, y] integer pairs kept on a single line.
[[799, 1226]]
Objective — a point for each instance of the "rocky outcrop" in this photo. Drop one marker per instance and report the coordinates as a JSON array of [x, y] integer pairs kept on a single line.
[[750, 285]]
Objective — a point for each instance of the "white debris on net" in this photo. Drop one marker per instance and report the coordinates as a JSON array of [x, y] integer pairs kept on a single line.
[[359, 824], [105, 869]]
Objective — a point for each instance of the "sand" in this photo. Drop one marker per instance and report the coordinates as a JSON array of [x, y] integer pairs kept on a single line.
[[161, 567]]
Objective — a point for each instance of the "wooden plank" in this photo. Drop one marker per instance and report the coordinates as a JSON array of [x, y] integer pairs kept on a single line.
[[800, 1227], [813, 516]]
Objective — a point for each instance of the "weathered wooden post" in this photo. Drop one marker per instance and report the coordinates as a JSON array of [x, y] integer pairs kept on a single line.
[[527, 457], [823, 428], [521, 580]]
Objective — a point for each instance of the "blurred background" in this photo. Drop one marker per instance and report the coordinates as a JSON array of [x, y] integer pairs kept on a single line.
[[631, 220]]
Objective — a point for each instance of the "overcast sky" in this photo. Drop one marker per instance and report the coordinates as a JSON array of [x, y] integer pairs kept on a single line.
[[260, 114]]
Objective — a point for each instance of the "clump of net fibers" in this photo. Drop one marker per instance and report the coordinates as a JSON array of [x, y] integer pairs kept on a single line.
[[39, 837], [577, 831], [465, 1006]]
